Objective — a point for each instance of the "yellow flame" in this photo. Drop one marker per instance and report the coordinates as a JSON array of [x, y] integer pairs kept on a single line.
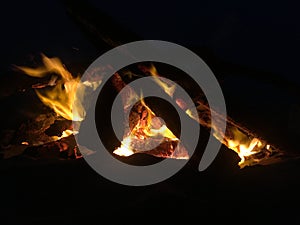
[[148, 126], [168, 88], [150, 129], [65, 133], [192, 114], [243, 144], [65, 95], [124, 149]]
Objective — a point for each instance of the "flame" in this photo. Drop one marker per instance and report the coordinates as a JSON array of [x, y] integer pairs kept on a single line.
[[65, 133], [243, 146], [149, 130], [65, 92], [125, 148], [236, 138], [150, 125], [168, 88]]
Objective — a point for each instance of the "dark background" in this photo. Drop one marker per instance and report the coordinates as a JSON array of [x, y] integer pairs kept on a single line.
[[261, 34], [258, 43]]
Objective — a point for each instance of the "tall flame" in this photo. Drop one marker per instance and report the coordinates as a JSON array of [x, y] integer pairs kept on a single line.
[[65, 92]]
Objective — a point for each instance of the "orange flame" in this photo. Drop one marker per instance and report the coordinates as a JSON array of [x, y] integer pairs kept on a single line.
[[168, 88], [65, 133], [243, 144], [65, 93], [149, 130]]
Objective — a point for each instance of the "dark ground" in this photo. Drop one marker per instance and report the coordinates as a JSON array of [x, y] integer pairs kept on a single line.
[[261, 88]]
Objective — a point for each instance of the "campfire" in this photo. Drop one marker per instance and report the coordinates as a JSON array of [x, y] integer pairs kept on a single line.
[[144, 129]]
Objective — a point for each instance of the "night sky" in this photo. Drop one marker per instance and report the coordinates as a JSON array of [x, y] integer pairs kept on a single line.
[[260, 34]]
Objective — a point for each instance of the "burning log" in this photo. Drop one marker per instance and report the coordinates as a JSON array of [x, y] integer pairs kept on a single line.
[[251, 148], [36, 134], [146, 130], [59, 95]]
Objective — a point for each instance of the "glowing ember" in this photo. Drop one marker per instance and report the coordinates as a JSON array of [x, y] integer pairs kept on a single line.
[[149, 133]]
